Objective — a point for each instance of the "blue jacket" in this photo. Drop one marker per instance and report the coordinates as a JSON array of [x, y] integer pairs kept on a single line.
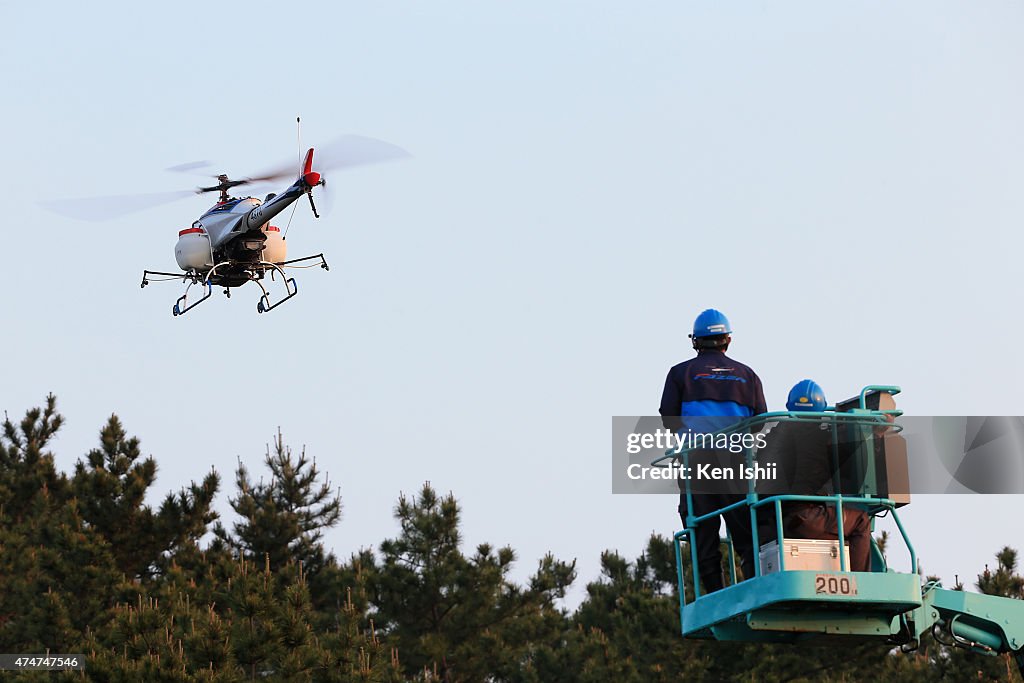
[[707, 387]]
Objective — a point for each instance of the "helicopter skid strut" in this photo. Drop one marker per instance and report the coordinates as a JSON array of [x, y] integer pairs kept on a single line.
[[290, 287], [180, 307]]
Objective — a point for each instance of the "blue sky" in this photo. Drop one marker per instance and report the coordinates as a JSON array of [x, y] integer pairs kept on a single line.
[[843, 180]]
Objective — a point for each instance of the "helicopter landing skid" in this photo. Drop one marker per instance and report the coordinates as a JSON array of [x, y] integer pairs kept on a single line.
[[180, 307], [290, 287], [235, 274]]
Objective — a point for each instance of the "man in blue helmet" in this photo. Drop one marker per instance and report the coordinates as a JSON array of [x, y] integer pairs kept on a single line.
[[802, 451], [704, 395]]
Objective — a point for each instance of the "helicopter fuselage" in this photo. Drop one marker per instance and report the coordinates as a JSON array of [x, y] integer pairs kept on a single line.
[[234, 232]]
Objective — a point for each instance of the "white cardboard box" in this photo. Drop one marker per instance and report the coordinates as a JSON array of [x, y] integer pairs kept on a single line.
[[803, 553]]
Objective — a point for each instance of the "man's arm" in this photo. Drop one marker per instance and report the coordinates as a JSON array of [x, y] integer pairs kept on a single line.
[[760, 405], [671, 404]]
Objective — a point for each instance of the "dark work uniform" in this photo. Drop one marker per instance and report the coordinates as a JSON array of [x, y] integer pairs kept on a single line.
[[704, 395], [802, 454]]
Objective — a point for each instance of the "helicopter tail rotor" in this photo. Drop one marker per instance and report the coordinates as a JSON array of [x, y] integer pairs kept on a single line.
[[310, 179]]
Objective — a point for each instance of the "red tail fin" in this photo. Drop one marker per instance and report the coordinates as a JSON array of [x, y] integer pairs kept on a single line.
[[308, 174]]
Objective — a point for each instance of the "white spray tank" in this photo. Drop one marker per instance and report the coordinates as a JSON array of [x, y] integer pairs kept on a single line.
[[193, 250], [275, 250]]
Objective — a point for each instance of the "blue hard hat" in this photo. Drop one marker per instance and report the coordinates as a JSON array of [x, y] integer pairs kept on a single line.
[[806, 395], [710, 323]]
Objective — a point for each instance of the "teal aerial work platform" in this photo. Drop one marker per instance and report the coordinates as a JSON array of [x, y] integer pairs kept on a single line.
[[821, 606]]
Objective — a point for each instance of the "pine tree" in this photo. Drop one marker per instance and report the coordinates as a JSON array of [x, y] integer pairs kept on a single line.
[[283, 520], [454, 617], [111, 487], [635, 607], [242, 607], [1005, 580], [54, 570], [26, 467], [244, 622]]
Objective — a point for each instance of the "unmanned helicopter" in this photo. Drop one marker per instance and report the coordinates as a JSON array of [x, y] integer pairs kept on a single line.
[[233, 242]]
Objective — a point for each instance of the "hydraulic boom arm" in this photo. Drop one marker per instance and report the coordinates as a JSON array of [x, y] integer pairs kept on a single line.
[[986, 624]]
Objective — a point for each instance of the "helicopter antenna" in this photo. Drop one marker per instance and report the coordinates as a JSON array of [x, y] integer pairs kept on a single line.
[[298, 136]]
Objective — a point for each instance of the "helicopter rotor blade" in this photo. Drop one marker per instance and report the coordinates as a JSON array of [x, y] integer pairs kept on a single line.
[[346, 151], [110, 207], [190, 167], [355, 150], [349, 151], [328, 199]]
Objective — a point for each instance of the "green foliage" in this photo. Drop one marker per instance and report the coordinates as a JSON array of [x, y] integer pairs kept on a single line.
[[26, 467], [284, 519], [457, 617], [630, 621], [111, 486], [255, 624], [281, 522], [1005, 580], [53, 568]]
